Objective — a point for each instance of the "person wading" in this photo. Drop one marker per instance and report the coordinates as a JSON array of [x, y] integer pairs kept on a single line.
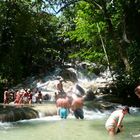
[[114, 123]]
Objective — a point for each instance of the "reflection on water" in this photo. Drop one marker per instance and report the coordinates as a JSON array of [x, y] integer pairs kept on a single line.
[[53, 128]]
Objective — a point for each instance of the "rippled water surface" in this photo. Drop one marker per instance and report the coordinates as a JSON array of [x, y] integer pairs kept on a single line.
[[53, 128]]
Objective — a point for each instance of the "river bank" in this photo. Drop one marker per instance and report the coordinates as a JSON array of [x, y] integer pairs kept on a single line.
[[53, 127], [13, 112]]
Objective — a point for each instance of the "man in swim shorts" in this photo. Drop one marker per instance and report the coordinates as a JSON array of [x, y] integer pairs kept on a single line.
[[77, 107], [63, 112]]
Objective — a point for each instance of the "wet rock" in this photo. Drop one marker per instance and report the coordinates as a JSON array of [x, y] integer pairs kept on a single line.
[[80, 89], [48, 109], [15, 113], [89, 95], [69, 74]]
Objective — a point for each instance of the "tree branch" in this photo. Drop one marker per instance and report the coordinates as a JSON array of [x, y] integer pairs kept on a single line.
[[66, 5]]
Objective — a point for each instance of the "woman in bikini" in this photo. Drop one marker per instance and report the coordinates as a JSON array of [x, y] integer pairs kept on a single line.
[[114, 122]]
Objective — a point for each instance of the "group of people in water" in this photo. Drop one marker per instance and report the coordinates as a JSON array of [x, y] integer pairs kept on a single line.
[[72, 103], [65, 103], [113, 124], [68, 103], [75, 106], [22, 96]]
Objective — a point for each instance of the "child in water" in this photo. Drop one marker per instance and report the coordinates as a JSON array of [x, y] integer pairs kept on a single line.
[[63, 112]]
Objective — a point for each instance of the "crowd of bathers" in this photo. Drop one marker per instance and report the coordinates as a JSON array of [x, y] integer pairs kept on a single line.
[[23, 96], [67, 104]]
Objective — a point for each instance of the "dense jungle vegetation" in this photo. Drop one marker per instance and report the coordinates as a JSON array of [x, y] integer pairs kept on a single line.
[[38, 35]]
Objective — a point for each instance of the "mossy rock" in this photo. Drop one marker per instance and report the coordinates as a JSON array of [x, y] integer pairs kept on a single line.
[[15, 113]]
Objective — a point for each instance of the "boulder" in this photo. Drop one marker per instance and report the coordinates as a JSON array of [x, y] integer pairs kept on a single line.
[[9, 113]]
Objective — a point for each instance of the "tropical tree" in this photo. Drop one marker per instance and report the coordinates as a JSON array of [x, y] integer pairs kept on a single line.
[[109, 25], [27, 39]]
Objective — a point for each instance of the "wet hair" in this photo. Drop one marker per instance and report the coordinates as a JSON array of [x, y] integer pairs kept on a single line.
[[126, 108]]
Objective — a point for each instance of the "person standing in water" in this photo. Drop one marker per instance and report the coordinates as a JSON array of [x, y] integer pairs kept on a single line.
[[63, 105], [63, 112], [6, 96], [114, 123], [73, 103], [77, 107]]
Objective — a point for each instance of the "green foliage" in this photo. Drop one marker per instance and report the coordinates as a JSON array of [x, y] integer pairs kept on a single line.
[[86, 24], [26, 32], [87, 54], [31, 38], [119, 28], [85, 33]]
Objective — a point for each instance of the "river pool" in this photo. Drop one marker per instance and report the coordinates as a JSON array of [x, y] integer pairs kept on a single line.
[[54, 128]]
